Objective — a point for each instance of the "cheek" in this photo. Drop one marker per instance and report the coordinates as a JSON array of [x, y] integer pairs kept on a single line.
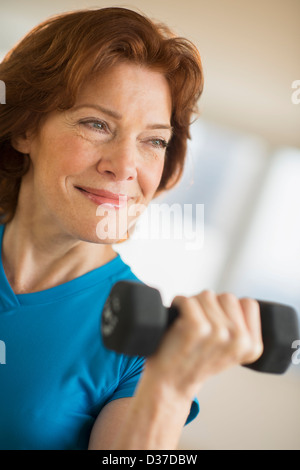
[[72, 155], [151, 178], [62, 157]]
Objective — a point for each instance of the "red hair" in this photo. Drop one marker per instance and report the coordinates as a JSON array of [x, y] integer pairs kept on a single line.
[[45, 70]]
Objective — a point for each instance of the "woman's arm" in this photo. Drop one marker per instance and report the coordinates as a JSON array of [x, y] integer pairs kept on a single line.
[[147, 421], [132, 424], [212, 333]]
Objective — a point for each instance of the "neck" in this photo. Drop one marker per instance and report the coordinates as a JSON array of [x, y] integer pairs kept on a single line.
[[38, 256]]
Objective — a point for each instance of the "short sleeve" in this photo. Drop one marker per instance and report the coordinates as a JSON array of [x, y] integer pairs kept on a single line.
[[129, 378], [128, 383]]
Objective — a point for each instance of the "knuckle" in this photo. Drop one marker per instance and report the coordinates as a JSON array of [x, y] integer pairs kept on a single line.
[[180, 300], [250, 304], [257, 351], [246, 349], [242, 345], [185, 305], [205, 331], [228, 298], [222, 335], [191, 317], [199, 334], [207, 295]]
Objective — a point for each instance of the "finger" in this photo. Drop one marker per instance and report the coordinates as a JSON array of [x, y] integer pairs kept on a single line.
[[214, 313], [251, 311], [191, 312], [204, 341], [232, 308]]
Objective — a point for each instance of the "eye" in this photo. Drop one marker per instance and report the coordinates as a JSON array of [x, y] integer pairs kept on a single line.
[[96, 125], [159, 143]]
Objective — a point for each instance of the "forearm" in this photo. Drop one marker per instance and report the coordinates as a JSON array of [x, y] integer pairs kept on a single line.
[[154, 420]]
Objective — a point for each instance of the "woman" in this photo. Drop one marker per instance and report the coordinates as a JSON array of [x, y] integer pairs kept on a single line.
[[97, 119]]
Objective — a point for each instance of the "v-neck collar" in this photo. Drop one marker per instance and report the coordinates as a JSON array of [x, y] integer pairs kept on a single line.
[[9, 300]]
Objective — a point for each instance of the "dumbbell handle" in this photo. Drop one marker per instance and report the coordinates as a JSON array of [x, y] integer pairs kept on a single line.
[[277, 322]]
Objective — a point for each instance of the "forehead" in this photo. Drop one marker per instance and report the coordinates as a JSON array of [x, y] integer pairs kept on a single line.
[[128, 87]]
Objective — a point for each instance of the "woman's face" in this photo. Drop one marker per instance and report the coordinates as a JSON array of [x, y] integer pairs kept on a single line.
[[98, 164]]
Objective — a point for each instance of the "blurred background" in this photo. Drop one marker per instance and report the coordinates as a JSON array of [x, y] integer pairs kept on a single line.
[[243, 170]]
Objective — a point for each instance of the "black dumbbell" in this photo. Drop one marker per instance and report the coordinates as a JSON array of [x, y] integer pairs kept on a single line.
[[134, 321]]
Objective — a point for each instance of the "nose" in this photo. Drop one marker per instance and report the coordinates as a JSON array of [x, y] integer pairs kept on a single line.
[[119, 160]]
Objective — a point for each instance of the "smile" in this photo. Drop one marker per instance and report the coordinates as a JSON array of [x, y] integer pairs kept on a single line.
[[103, 197]]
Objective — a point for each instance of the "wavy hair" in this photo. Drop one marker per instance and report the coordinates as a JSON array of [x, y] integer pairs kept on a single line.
[[45, 70]]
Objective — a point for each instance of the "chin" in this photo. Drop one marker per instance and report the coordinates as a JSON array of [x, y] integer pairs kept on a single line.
[[92, 233], [108, 230]]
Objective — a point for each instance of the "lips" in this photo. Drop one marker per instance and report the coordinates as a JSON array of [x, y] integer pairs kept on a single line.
[[102, 196]]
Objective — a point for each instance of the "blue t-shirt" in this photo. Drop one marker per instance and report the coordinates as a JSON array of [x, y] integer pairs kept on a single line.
[[57, 375]]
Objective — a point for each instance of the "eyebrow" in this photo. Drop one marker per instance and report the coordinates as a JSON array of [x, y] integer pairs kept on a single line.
[[118, 116]]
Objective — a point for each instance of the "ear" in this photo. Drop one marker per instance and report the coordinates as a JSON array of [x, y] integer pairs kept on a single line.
[[21, 143]]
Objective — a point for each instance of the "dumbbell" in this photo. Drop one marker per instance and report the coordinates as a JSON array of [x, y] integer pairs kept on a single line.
[[134, 321]]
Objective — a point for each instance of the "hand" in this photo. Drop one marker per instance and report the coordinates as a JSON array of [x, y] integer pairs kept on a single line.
[[212, 333]]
